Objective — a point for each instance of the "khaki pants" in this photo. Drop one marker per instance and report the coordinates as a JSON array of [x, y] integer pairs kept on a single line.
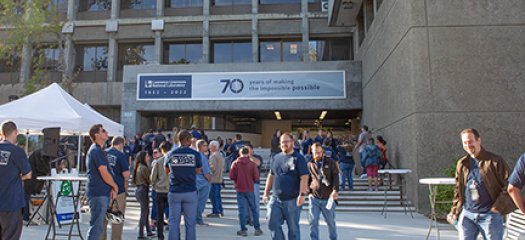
[[116, 229]]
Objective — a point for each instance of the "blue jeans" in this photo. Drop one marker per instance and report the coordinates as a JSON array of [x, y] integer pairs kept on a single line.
[[242, 198], [278, 211], [347, 170], [204, 193], [182, 203], [319, 206], [98, 207], [228, 163], [361, 155], [471, 224], [257, 198], [154, 213], [215, 197]]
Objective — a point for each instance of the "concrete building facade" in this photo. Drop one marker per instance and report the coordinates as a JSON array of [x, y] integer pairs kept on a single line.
[[415, 71]]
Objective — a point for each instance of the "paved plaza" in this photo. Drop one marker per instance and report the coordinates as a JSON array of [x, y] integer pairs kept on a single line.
[[350, 226]]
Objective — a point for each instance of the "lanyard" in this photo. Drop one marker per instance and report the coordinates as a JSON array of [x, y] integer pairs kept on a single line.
[[320, 170]]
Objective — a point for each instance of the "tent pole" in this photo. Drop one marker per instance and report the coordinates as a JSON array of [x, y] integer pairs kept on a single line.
[[79, 150], [27, 141]]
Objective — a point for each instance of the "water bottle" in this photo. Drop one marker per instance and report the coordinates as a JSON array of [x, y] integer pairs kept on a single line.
[[330, 203], [450, 218]]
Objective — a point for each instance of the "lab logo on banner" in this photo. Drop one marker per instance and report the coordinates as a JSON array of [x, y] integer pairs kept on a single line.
[[236, 86]]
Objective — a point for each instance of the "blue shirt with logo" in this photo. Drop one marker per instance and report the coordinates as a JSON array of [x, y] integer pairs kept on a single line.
[[96, 186], [234, 148], [183, 163], [13, 162], [119, 163], [201, 180], [287, 171]]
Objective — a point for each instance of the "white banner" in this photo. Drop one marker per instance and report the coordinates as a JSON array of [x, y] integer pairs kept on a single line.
[[242, 86]]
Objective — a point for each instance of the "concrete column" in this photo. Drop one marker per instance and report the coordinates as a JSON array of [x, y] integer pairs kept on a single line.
[[71, 11], [255, 31], [160, 8], [25, 68], [67, 75], [355, 40], [112, 58], [115, 9], [158, 46], [374, 3], [305, 30], [365, 16], [206, 32]]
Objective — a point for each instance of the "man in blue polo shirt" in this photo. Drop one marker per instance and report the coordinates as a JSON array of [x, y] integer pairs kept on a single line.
[[120, 166], [288, 178], [100, 185], [203, 182], [320, 137], [258, 160], [183, 165], [236, 146], [14, 167]]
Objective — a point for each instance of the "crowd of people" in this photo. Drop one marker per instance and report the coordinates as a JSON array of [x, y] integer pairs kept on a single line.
[[186, 170]]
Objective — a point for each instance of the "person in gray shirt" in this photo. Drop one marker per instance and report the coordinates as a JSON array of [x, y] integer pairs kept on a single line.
[[361, 143]]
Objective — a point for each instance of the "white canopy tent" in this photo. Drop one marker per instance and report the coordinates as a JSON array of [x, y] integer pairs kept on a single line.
[[54, 107]]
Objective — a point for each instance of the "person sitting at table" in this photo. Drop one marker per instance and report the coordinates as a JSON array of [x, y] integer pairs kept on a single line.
[[480, 194]]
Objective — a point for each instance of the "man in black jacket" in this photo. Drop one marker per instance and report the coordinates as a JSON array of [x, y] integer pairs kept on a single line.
[[323, 185]]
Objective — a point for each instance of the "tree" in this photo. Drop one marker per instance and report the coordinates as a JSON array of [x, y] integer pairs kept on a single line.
[[35, 26]]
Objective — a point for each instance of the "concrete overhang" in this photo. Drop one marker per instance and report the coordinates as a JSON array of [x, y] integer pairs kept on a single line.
[[343, 13]]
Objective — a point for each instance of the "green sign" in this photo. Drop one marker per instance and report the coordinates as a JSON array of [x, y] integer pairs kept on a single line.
[[65, 188]]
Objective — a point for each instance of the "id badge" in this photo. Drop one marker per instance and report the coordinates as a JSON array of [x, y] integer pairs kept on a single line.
[[325, 182], [474, 192]]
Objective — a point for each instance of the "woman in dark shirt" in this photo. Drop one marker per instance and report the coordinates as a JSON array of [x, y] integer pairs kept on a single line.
[[346, 163]]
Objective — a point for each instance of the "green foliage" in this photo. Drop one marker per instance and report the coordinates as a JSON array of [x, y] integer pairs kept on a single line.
[[446, 192], [32, 27]]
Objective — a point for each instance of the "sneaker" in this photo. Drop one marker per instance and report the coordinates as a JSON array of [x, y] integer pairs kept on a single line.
[[376, 189], [243, 233], [153, 227], [222, 214], [213, 215], [369, 189], [150, 234], [202, 224], [363, 176], [142, 238], [258, 232]]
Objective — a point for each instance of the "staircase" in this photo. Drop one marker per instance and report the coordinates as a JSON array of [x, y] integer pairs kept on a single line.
[[358, 200]]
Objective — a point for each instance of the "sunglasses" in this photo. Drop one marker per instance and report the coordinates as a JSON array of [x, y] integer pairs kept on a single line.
[[104, 130]]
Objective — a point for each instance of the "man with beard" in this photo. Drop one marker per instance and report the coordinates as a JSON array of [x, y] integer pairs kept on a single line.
[[288, 178], [480, 195]]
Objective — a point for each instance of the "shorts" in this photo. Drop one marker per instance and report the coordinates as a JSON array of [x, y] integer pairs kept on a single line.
[[371, 171]]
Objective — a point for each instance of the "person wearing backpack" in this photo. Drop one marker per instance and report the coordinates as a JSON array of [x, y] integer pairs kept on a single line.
[[371, 158]]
